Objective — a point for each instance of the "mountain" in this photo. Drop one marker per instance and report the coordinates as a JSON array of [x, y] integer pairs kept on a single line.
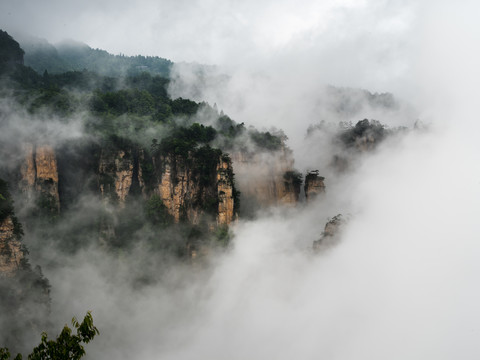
[[42, 56], [148, 162], [10, 52], [145, 161], [103, 158]]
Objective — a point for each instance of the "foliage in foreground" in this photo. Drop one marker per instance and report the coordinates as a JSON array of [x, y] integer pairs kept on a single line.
[[65, 347]]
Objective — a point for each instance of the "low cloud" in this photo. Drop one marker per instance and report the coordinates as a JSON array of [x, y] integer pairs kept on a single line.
[[401, 282]]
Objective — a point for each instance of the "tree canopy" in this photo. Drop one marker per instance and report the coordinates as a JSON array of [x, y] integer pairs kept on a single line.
[[67, 346]]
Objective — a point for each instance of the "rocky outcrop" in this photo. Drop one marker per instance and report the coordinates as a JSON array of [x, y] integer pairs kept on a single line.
[[116, 170], [11, 252], [24, 292], [226, 202], [188, 187], [314, 185], [46, 164], [28, 171], [39, 175], [266, 178], [190, 190], [331, 233], [354, 141], [177, 189], [292, 181]]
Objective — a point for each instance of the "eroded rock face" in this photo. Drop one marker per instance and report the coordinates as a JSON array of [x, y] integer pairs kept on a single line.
[[186, 194], [46, 164], [314, 185], [187, 197], [39, 175], [177, 190], [11, 252], [28, 171], [116, 172], [263, 178], [331, 233], [226, 204]]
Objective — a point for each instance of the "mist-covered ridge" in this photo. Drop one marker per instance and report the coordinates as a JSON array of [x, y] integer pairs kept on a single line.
[[71, 55]]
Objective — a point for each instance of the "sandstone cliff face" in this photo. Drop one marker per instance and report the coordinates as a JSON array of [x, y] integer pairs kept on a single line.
[[314, 185], [188, 197], [11, 252], [28, 171], [177, 189], [186, 194], [263, 178], [226, 205], [116, 170], [39, 175]]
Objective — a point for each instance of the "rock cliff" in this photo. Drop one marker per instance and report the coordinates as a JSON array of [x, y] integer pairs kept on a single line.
[[266, 178], [225, 190], [189, 187], [116, 170], [11, 251], [314, 185], [39, 176], [177, 189], [331, 233], [193, 186]]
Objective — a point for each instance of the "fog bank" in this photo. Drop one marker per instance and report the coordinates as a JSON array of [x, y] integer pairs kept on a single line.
[[401, 282]]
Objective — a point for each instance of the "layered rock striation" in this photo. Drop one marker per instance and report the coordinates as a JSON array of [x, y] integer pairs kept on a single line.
[[116, 168], [226, 192]]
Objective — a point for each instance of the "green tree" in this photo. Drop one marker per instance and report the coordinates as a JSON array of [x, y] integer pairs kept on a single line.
[[65, 347], [5, 355], [157, 213]]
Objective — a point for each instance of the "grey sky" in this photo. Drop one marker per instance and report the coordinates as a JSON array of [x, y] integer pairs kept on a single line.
[[211, 31]]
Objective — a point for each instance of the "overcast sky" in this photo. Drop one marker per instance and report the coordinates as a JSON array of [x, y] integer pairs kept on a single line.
[[207, 30], [341, 35]]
